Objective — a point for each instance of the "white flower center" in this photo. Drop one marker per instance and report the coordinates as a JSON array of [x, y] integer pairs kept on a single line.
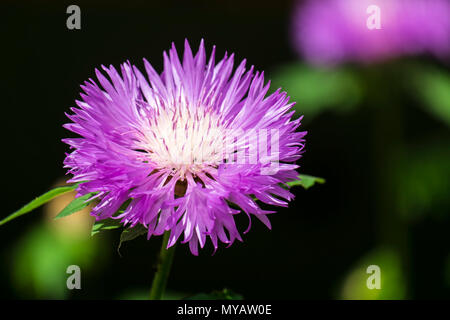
[[183, 140]]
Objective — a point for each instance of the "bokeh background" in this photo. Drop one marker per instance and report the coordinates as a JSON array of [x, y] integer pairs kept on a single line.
[[378, 133]]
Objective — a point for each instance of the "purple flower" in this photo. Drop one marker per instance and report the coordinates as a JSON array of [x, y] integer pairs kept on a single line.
[[333, 31], [170, 143]]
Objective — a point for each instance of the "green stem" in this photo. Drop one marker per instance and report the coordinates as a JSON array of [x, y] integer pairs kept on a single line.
[[163, 269]]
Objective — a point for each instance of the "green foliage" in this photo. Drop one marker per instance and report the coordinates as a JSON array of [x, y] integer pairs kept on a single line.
[[432, 86], [110, 224], [306, 181], [225, 294], [132, 233], [393, 283], [40, 258], [318, 89], [76, 205], [39, 201], [106, 224], [422, 183]]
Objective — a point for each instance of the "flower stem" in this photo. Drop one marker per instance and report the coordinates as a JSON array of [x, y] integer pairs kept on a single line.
[[162, 270]]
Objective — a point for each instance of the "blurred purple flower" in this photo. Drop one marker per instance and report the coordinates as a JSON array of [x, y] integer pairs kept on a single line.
[[142, 140], [333, 31]]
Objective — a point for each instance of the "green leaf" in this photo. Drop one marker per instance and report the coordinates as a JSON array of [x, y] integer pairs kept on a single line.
[[433, 87], [107, 224], [76, 205], [419, 176], [318, 89], [110, 224], [306, 181], [39, 201], [132, 233], [225, 294]]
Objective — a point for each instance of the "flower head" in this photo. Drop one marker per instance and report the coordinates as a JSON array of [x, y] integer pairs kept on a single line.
[[334, 31], [179, 147]]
